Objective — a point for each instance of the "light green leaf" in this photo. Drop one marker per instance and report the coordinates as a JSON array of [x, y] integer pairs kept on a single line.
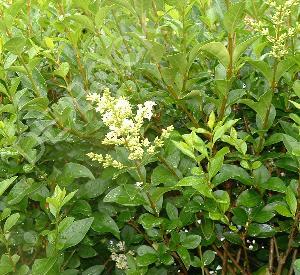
[[72, 171], [149, 221], [218, 50], [185, 256], [264, 68], [282, 210], [190, 241], [127, 195], [211, 120], [198, 183], [208, 257], [229, 171], [296, 266], [37, 104], [233, 17], [185, 148], [220, 130], [216, 162], [15, 45], [84, 21], [5, 184], [241, 47], [261, 106], [62, 70], [146, 259], [43, 266], [172, 211], [291, 200], [11, 221], [7, 263], [274, 184], [283, 66]]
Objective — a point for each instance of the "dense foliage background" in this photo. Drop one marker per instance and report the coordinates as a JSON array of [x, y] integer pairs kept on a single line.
[[222, 195]]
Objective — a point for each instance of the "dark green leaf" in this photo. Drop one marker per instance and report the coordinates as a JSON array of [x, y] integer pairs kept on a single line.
[[76, 232], [103, 223], [249, 198]]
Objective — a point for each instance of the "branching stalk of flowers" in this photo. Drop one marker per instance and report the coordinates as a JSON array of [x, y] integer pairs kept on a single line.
[[278, 36], [126, 129]]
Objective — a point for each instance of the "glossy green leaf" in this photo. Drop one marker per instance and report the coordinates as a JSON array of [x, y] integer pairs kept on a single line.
[[208, 257], [198, 183], [11, 221], [5, 184], [127, 195], [76, 232], [249, 198], [261, 230], [103, 223], [43, 266]]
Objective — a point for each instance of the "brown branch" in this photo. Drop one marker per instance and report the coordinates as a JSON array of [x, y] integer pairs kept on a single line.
[[284, 256], [276, 249], [271, 256], [225, 260], [222, 258], [293, 259]]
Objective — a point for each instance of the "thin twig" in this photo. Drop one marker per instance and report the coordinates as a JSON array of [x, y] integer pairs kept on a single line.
[[276, 249], [221, 257], [293, 259], [225, 260], [271, 256]]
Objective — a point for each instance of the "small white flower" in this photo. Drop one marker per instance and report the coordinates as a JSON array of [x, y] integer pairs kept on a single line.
[[93, 97], [121, 246], [222, 239], [199, 221], [253, 241], [251, 247], [139, 184], [218, 267]]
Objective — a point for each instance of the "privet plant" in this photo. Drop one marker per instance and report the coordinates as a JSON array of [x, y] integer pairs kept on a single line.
[[149, 137]]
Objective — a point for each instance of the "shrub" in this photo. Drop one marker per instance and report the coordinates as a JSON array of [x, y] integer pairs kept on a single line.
[[149, 137]]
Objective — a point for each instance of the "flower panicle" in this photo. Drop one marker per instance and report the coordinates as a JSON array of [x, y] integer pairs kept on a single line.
[[125, 128], [278, 32]]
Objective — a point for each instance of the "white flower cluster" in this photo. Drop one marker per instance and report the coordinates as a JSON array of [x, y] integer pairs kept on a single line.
[[120, 259], [125, 128], [276, 30]]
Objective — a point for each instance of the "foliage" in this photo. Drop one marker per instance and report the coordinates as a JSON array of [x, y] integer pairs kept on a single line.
[[220, 194]]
